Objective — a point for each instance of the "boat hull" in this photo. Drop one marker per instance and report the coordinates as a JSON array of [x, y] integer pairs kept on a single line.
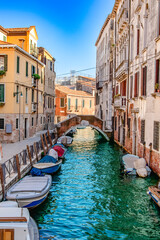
[[154, 196], [50, 170]]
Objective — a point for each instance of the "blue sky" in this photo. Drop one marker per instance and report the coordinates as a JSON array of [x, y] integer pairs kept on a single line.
[[68, 29]]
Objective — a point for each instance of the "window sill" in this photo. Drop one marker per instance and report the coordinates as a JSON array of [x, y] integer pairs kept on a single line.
[[143, 97], [156, 94]]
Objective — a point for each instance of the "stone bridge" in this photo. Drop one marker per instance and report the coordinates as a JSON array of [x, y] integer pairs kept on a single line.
[[94, 122]]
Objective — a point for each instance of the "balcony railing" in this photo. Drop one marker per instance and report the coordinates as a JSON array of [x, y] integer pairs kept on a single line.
[[122, 70], [34, 50], [120, 102], [123, 20]]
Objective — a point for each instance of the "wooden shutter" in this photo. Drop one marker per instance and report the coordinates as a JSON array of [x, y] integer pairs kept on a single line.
[[156, 136], [26, 69], [157, 73], [17, 64], [142, 131], [135, 85], [145, 81], [129, 127], [138, 40], [142, 75], [2, 93], [5, 62], [131, 86]]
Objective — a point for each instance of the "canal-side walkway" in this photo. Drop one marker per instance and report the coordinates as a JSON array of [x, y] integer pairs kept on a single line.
[[11, 149]]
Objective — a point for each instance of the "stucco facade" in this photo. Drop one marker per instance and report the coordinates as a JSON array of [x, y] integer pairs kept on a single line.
[[49, 87], [70, 102], [136, 78]]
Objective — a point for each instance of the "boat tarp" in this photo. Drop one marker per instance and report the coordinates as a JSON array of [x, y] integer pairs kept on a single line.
[[59, 150], [48, 159], [37, 185]]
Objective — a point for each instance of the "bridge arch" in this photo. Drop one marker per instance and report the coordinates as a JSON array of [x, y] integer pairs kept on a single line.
[[94, 122]]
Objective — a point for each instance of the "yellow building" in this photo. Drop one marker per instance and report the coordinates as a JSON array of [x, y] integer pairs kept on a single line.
[[21, 96], [49, 87]]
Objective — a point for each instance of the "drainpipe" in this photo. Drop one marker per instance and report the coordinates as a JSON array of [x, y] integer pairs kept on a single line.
[[128, 60]]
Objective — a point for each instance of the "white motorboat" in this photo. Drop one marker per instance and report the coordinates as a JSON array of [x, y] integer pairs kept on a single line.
[[65, 140], [16, 223], [30, 191], [128, 161]]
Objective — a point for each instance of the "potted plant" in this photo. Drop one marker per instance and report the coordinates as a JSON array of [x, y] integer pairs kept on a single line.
[[36, 76], [2, 72], [157, 87]]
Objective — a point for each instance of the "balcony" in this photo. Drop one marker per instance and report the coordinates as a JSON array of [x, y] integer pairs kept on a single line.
[[34, 50], [120, 102], [34, 107], [122, 71], [123, 20]]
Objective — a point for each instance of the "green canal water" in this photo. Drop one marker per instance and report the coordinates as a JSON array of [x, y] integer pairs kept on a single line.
[[91, 199]]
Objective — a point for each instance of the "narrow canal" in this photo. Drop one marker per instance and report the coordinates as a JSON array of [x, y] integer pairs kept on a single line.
[[90, 199]]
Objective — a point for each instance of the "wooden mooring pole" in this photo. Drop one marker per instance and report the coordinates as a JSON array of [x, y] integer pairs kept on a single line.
[[29, 155], [18, 167], [35, 149], [45, 139], [2, 181], [43, 146], [49, 137]]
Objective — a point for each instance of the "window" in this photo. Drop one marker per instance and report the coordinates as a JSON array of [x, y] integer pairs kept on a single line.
[[123, 88], [32, 121], [90, 103], [156, 136], [17, 94], [142, 131], [144, 82], [138, 40], [158, 18], [51, 65], [32, 96], [62, 102], [32, 70], [3, 62], [26, 95], [17, 123], [1, 123], [4, 38], [115, 127], [69, 103], [83, 103], [18, 62], [131, 86], [136, 85], [26, 69], [129, 127], [157, 81], [76, 104], [2, 100]]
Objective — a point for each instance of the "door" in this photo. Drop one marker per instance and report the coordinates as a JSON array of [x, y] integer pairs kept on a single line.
[[134, 149], [25, 127]]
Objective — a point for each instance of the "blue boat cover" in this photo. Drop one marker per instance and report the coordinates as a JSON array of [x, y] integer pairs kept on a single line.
[[36, 172], [48, 159]]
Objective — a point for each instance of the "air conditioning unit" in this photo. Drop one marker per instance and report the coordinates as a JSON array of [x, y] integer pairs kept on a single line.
[[34, 107], [33, 82]]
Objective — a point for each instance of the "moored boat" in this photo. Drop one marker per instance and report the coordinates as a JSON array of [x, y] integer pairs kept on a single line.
[[129, 163], [30, 191], [60, 149], [48, 165], [65, 140], [154, 193], [16, 223]]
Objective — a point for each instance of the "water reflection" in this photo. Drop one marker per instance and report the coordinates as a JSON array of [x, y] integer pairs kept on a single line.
[[90, 199]]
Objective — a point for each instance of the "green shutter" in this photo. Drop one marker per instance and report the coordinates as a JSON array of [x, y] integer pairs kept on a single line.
[[83, 103], [26, 69], [90, 103], [18, 64], [1, 93], [69, 103], [5, 62], [76, 103]]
